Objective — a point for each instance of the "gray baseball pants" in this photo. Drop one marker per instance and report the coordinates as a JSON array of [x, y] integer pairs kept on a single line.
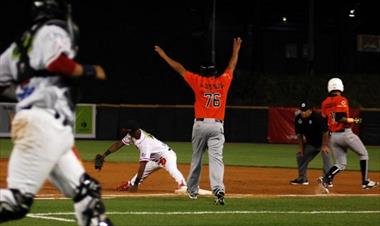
[[340, 142], [309, 154], [207, 135]]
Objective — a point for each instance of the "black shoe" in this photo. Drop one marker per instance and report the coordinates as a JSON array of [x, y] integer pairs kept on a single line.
[[299, 182], [191, 194], [219, 198], [369, 184], [323, 184]]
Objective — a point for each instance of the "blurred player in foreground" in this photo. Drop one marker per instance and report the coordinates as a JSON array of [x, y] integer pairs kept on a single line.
[[40, 63], [336, 109]]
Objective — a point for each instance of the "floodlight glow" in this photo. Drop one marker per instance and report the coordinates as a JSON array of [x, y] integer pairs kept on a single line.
[[352, 13]]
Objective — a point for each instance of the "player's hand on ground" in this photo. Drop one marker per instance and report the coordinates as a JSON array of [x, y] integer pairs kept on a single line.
[[100, 73]]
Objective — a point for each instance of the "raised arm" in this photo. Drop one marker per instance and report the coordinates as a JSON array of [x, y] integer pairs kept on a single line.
[[235, 53], [179, 68]]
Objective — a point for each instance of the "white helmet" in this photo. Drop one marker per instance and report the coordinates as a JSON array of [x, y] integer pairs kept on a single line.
[[335, 84]]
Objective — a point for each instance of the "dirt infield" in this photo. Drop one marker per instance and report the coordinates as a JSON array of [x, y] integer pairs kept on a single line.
[[238, 180]]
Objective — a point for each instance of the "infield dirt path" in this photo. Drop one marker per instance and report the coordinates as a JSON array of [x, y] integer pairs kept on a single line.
[[238, 180]]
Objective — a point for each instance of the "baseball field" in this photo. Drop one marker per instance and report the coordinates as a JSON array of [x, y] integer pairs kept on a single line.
[[257, 185]]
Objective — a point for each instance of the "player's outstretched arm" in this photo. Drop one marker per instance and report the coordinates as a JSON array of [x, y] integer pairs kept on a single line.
[[178, 67], [113, 148], [235, 53], [66, 66], [100, 158]]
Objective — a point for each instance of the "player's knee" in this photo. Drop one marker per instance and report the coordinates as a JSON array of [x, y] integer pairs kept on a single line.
[[364, 157], [89, 208], [18, 209]]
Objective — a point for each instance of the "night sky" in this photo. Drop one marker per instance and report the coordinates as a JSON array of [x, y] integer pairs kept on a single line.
[[120, 35]]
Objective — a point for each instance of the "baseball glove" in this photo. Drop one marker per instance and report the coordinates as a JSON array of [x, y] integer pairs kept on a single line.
[[99, 161]]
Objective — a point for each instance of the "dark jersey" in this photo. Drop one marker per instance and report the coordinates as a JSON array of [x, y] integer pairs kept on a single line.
[[311, 127]]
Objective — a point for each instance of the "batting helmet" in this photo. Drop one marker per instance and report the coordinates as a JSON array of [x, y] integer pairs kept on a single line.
[[335, 84], [48, 9], [208, 69]]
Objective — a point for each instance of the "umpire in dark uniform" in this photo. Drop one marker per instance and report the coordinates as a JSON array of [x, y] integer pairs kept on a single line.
[[312, 135]]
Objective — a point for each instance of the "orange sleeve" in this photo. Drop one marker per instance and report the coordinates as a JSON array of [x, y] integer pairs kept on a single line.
[[191, 78], [228, 73]]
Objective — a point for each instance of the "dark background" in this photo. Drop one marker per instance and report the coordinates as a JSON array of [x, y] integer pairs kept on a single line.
[[120, 35]]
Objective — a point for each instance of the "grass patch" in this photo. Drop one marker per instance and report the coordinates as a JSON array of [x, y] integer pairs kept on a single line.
[[236, 154], [180, 211]]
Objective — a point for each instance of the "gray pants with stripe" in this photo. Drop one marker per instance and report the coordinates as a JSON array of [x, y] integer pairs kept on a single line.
[[309, 154], [207, 135], [340, 142]]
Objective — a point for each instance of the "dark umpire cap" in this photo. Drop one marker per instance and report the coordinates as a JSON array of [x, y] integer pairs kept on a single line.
[[304, 106]]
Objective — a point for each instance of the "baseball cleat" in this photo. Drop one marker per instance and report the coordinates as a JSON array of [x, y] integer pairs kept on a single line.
[[330, 184], [192, 195], [323, 184], [124, 186], [219, 198], [370, 184], [299, 182]]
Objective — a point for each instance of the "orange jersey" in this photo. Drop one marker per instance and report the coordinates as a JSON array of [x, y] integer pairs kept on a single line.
[[332, 105], [210, 94]]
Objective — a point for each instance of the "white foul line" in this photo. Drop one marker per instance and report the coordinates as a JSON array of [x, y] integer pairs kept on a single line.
[[216, 212], [37, 216]]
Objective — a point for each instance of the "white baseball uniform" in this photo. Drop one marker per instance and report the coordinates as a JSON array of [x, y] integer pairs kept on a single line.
[[157, 154], [41, 131]]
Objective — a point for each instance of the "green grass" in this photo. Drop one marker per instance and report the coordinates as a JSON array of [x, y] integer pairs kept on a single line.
[[136, 211], [238, 154], [281, 211]]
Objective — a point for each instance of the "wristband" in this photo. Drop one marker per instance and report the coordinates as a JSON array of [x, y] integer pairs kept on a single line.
[[88, 71], [107, 153]]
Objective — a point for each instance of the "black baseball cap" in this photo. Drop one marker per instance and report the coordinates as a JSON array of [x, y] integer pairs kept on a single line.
[[132, 125], [304, 106]]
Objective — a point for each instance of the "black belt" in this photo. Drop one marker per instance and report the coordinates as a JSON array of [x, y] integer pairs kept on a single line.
[[202, 119], [341, 131]]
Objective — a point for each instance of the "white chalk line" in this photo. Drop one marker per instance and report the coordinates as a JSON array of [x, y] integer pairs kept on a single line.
[[50, 216], [38, 216], [129, 195], [218, 212]]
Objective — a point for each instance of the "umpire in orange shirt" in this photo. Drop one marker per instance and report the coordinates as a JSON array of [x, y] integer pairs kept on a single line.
[[210, 90]]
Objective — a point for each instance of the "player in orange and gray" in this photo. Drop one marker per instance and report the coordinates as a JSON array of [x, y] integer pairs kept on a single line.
[[210, 90], [336, 109]]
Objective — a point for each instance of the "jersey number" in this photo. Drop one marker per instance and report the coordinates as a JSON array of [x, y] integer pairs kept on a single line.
[[213, 99]]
